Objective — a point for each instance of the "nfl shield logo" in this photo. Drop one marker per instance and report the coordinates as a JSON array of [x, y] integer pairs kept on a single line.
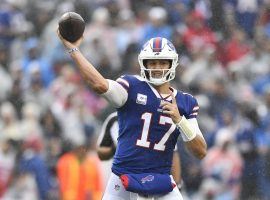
[[141, 99]]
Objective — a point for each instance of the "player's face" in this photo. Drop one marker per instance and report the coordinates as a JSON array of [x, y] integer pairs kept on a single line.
[[158, 67]]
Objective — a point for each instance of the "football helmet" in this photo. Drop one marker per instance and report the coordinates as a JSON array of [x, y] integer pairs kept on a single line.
[[158, 48]]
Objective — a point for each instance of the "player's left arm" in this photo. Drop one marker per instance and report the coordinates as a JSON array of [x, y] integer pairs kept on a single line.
[[189, 129]]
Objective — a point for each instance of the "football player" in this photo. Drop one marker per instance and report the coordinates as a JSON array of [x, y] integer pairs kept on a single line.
[[151, 116], [107, 143]]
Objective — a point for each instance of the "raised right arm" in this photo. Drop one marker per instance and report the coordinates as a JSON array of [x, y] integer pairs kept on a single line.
[[109, 89], [94, 79]]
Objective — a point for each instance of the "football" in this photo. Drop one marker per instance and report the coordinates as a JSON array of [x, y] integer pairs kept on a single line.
[[71, 26]]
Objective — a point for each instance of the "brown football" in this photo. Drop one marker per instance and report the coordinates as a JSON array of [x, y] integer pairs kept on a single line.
[[71, 26]]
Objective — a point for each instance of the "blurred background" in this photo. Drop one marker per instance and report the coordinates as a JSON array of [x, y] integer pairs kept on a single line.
[[47, 113]]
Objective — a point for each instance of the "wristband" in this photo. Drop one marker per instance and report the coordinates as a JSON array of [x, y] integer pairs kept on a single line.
[[187, 131], [70, 51]]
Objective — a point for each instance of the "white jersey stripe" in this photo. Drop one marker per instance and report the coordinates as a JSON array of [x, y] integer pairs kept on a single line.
[[122, 81]]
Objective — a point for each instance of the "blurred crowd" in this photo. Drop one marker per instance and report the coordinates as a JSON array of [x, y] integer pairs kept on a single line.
[[49, 119]]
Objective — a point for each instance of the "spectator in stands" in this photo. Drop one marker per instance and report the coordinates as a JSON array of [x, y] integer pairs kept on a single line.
[[32, 163], [222, 169], [7, 164], [157, 25]]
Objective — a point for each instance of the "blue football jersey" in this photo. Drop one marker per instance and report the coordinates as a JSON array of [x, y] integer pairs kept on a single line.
[[147, 136]]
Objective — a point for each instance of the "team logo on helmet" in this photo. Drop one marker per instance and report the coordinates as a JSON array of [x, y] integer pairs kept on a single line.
[[145, 45], [170, 45]]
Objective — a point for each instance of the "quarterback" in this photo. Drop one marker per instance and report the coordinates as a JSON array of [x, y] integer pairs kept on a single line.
[[151, 116]]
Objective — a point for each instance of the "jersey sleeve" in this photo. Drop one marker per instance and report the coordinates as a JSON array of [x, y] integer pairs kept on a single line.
[[193, 108], [116, 95], [124, 82]]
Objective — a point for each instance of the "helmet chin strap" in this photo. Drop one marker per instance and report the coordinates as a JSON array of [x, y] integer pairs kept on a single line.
[[157, 81], [161, 80]]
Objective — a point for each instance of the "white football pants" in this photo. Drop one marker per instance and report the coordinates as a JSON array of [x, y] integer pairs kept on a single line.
[[116, 191]]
